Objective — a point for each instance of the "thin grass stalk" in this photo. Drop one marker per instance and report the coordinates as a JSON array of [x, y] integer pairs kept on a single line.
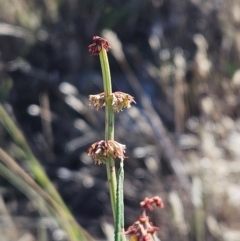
[[7, 227], [119, 227], [35, 167], [106, 151], [109, 127], [37, 199], [24, 182]]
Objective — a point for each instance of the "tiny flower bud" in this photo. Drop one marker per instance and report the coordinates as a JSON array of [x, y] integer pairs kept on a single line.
[[152, 229], [158, 201], [101, 150], [98, 151], [116, 149], [147, 203], [98, 101], [97, 45], [121, 100], [143, 219]]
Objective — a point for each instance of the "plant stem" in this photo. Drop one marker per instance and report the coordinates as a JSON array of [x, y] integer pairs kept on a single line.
[[119, 227], [109, 127], [35, 166]]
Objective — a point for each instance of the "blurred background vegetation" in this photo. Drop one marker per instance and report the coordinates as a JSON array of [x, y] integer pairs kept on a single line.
[[178, 58]]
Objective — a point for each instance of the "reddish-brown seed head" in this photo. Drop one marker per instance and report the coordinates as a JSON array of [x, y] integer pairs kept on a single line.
[[97, 45]]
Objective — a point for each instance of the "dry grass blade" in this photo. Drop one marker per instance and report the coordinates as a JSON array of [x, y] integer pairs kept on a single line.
[[46, 119], [178, 215], [36, 168], [15, 174], [199, 210], [38, 171], [7, 227]]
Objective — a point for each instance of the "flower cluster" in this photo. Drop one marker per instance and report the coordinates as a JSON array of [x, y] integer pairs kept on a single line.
[[97, 45], [143, 228], [120, 100], [147, 203], [102, 150], [98, 101]]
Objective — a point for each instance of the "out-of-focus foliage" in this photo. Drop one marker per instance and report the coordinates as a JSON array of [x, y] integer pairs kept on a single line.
[[184, 53]]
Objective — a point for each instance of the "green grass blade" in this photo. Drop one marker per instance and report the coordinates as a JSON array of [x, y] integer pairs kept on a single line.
[[119, 226], [39, 174]]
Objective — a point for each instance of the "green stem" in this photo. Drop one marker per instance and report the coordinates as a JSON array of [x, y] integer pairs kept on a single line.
[[109, 127], [119, 227], [38, 171], [36, 168]]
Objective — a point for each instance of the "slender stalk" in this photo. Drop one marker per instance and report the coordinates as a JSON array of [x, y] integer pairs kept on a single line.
[[35, 166], [109, 127], [38, 171], [15, 174], [119, 227]]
